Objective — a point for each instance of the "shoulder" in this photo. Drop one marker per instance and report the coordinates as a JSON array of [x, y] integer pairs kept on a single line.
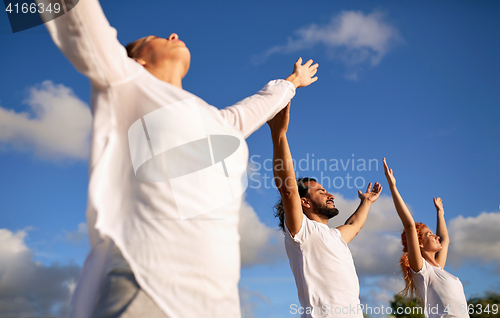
[[424, 270], [307, 228]]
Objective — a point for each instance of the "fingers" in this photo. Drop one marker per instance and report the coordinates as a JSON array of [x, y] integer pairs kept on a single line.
[[314, 79], [369, 188], [377, 188], [386, 168], [313, 72], [307, 65]]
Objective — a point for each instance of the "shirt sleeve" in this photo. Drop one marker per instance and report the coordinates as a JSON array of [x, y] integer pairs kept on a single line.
[[305, 230], [252, 112], [339, 234], [85, 37], [423, 271]]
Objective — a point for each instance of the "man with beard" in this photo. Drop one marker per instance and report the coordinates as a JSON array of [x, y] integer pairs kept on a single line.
[[320, 260]]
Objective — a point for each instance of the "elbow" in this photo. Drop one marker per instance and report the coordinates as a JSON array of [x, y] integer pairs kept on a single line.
[[286, 192], [355, 226], [444, 240], [409, 225], [286, 187]]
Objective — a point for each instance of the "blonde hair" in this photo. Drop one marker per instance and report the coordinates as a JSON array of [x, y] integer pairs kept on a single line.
[[410, 291]]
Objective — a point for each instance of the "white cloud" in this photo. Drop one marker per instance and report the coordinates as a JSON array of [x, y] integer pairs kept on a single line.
[[250, 300], [351, 36], [79, 235], [380, 290], [60, 127], [259, 243], [377, 248], [28, 288], [475, 238]]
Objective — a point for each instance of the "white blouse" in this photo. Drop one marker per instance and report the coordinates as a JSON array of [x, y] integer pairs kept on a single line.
[[166, 172]]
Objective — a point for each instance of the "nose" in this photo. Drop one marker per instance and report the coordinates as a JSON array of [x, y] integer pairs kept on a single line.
[[330, 196], [173, 36]]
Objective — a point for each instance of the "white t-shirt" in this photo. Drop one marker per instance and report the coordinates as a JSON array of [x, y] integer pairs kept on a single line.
[[324, 272], [158, 188], [443, 293]]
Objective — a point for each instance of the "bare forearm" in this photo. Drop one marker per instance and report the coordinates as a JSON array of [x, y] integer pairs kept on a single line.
[[358, 218], [402, 209], [441, 229], [282, 164]]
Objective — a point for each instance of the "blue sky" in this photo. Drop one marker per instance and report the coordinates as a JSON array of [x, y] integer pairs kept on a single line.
[[415, 82]]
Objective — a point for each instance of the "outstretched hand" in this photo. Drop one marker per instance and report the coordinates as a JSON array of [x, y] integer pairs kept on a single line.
[[389, 174], [303, 75], [438, 203], [371, 194], [279, 124]]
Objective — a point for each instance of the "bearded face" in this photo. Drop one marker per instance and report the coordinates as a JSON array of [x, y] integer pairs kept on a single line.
[[323, 209]]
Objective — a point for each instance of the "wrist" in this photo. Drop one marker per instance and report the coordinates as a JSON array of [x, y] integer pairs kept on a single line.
[[278, 135], [294, 80], [366, 201]]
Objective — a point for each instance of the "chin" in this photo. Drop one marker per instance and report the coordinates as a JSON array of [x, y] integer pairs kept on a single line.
[[184, 58], [186, 70]]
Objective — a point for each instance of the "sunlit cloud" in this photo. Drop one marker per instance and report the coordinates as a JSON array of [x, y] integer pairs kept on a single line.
[[28, 288], [475, 238], [259, 243], [352, 37], [57, 127]]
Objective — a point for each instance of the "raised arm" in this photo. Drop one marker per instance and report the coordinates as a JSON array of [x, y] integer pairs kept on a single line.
[[414, 255], [88, 41], [356, 221], [442, 232], [252, 112], [283, 171]]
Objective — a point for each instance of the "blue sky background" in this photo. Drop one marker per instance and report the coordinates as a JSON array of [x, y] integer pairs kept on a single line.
[[430, 105]]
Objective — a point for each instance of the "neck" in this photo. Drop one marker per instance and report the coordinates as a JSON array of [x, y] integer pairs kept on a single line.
[[171, 73], [430, 257], [317, 218]]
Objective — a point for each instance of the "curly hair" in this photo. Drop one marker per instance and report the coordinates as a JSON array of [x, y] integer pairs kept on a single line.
[[279, 210], [410, 290]]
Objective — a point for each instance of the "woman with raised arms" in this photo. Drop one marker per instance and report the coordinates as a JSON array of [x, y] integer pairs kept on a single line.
[[424, 259]]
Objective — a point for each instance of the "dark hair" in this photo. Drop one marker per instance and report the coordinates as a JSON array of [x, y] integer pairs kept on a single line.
[[279, 211], [131, 48]]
